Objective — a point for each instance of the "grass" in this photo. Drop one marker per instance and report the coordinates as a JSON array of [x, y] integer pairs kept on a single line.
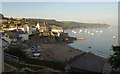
[[51, 64], [20, 66]]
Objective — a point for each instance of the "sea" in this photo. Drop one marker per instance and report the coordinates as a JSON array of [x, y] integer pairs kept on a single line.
[[97, 40]]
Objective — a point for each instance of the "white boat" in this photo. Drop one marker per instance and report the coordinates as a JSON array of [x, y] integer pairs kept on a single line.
[[88, 32], [85, 30], [92, 33], [97, 31], [74, 32], [80, 31], [114, 37], [101, 31]]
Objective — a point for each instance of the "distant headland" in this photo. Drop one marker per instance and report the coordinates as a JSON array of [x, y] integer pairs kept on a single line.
[[64, 24]]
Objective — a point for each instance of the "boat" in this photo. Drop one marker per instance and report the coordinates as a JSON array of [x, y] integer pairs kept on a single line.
[[80, 38], [89, 47], [74, 32], [114, 37], [101, 31], [92, 33], [80, 31]]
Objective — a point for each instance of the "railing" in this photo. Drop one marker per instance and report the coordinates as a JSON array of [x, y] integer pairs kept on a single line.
[[11, 57]]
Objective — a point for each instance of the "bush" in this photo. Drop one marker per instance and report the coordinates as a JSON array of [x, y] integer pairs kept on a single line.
[[16, 51], [115, 58]]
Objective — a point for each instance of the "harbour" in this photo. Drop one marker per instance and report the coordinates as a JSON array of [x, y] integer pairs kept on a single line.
[[97, 40]]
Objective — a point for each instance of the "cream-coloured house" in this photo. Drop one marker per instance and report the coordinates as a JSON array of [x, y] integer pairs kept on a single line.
[[57, 29], [28, 28]]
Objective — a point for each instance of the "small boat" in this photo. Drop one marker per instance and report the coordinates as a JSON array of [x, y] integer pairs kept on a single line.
[[80, 31], [92, 33], [88, 32], [74, 32], [101, 31], [114, 37], [97, 31], [80, 38], [89, 47]]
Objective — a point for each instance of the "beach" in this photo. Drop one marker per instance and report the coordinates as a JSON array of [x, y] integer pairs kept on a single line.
[[59, 52], [55, 51]]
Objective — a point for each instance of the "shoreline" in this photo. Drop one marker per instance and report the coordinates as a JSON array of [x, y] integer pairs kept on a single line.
[[59, 52], [55, 51]]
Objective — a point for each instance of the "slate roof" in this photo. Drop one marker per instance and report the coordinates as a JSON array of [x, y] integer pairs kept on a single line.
[[4, 42], [15, 33], [89, 62]]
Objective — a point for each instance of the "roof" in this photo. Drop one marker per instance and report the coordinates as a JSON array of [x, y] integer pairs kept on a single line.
[[19, 31], [89, 62], [56, 28], [4, 42], [15, 33]]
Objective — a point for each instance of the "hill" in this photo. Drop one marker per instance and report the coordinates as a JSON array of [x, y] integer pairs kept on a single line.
[[64, 24], [70, 24]]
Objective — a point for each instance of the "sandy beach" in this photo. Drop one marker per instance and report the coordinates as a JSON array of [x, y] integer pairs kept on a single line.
[[55, 51], [60, 52]]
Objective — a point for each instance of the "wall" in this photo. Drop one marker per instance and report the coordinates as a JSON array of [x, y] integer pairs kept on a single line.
[[1, 58]]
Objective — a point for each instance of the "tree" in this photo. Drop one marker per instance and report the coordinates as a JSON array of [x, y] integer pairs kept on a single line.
[[115, 57]]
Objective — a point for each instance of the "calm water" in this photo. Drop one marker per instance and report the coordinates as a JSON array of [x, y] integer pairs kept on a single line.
[[99, 39]]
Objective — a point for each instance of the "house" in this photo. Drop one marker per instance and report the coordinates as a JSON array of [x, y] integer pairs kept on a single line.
[[38, 26], [57, 29], [34, 29], [5, 44], [5, 37], [88, 62], [23, 35], [30, 29], [13, 28], [43, 28], [16, 35]]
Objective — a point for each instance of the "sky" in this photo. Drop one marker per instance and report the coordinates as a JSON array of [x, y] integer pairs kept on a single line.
[[59, 0], [88, 12]]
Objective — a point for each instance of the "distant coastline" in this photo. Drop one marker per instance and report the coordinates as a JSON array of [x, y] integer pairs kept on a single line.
[[64, 24]]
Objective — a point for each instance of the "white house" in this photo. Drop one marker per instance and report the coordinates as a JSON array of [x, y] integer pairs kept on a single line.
[[38, 26], [57, 29], [6, 38], [15, 35], [30, 29], [14, 28], [4, 43], [24, 36]]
